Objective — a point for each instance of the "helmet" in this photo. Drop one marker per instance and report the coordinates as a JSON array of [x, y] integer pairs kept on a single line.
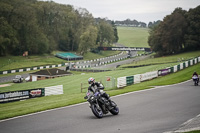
[[91, 80]]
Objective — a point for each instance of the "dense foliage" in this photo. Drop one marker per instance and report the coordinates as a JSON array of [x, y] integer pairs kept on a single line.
[[178, 32], [41, 27], [152, 24]]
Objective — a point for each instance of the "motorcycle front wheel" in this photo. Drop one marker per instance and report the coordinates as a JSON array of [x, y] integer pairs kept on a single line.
[[115, 110], [97, 111]]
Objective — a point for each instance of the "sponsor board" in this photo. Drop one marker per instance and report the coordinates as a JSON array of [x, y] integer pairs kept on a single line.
[[164, 72], [124, 49], [20, 95]]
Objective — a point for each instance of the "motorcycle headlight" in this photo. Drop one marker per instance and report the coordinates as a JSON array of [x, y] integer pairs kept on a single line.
[[92, 98]]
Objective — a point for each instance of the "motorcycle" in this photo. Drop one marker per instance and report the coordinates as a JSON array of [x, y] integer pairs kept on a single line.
[[100, 105], [196, 80]]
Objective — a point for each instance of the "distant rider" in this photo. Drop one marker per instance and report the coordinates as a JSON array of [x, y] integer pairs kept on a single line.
[[195, 74], [95, 86]]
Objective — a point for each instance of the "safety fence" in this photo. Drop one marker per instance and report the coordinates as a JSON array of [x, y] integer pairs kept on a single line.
[[129, 80], [31, 93]]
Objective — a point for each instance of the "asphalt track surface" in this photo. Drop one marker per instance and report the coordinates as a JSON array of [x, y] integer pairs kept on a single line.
[[155, 110]]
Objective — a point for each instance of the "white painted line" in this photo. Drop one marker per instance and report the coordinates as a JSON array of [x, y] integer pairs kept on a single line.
[[87, 102]]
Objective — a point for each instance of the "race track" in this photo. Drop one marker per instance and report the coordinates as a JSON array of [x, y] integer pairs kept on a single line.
[[151, 111]]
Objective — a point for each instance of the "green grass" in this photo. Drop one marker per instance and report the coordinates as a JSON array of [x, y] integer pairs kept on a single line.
[[193, 132], [15, 62], [133, 36]]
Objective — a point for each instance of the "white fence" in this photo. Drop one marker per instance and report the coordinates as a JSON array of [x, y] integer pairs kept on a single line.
[[54, 90]]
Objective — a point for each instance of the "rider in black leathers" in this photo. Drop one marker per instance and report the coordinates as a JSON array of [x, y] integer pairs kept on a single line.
[[96, 85]]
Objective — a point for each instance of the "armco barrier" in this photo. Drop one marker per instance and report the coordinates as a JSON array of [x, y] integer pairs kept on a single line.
[[125, 81]]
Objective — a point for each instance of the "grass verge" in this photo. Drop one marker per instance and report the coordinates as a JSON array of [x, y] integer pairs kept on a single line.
[[193, 132], [133, 36]]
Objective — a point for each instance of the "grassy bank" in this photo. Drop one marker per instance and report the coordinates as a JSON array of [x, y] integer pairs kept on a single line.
[[133, 36]]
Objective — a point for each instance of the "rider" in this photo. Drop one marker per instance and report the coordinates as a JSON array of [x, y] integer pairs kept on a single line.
[[96, 85], [196, 74]]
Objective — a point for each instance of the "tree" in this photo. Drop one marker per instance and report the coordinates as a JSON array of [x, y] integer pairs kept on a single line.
[[152, 24], [41, 27], [88, 39], [105, 33], [192, 36], [168, 37], [115, 31], [7, 37]]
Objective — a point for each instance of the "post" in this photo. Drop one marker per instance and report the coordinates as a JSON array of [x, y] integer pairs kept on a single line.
[[81, 87]]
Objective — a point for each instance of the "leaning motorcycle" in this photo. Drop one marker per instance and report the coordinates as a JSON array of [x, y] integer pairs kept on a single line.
[[100, 105], [196, 80]]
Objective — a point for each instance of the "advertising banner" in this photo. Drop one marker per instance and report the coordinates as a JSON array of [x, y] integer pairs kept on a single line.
[[164, 72], [20, 95], [124, 49], [149, 75]]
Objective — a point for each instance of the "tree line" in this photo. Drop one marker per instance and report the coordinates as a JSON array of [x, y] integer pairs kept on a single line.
[[178, 32], [132, 23], [40, 27]]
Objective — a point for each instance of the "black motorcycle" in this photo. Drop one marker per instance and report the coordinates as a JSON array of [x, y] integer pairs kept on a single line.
[[196, 80], [100, 105]]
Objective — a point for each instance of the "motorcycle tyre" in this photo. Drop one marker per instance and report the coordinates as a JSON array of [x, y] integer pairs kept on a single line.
[[98, 114], [115, 110]]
